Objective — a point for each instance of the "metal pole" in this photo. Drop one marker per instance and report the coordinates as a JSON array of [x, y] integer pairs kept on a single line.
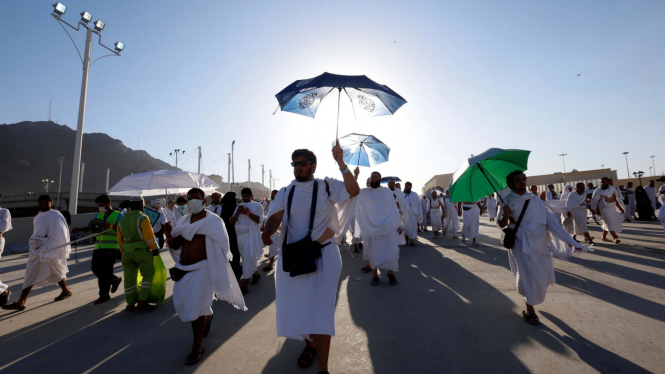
[[228, 172], [654, 164], [108, 174], [233, 171], [249, 172], [263, 176], [76, 168], [270, 182], [60, 159], [82, 172], [628, 170], [199, 160]]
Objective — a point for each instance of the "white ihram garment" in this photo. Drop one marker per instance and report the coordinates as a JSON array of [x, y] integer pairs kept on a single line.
[[451, 222], [249, 238], [435, 213], [404, 211], [491, 206], [378, 221], [610, 214], [538, 239], [554, 197], [273, 249], [415, 210], [305, 304], [471, 217], [651, 192], [5, 225], [423, 206], [45, 264], [207, 280]]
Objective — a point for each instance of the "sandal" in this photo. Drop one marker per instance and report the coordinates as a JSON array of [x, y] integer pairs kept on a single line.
[[194, 359], [307, 357], [63, 295], [14, 306], [617, 241], [375, 281], [4, 299], [255, 279], [530, 318], [392, 279], [207, 329]]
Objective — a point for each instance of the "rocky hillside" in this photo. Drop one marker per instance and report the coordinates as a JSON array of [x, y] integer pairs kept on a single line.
[[29, 153]]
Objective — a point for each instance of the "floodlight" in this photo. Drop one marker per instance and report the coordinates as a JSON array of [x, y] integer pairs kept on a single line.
[[99, 25], [86, 17], [119, 46], [59, 9]]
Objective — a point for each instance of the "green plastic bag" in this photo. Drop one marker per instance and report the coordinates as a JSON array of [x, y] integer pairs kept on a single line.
[[158, 288]]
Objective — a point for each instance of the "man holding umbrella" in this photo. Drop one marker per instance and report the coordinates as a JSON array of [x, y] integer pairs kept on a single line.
[[305, 299]]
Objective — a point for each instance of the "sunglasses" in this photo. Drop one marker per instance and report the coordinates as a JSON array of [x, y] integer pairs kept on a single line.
[[300, 163]]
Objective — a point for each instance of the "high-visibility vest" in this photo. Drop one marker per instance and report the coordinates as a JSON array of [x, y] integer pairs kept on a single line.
[[130, 228], [108, 239]]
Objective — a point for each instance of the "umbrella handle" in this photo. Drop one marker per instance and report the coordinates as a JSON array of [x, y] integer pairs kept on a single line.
[[339, 96], [488, 179]]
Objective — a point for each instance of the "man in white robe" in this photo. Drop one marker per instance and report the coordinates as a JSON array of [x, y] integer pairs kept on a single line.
[[651, 192], [631, 200], [661, 212], [202, 267], [49, 251], [567, 221], [404, 211], [435, 213], [248, 219], [589, 193], [423, 206], [607, 203], [415, 213], [450, 216], [5, 225], [216, 206], [157, 227], [576, 203], [551, 195], [273, 249], [491, 207], [380, 223], [471, 220], [305, 303], [539, 238]]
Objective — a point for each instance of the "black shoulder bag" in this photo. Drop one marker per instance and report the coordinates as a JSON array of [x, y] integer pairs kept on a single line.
[[300, 257], [508, 234]]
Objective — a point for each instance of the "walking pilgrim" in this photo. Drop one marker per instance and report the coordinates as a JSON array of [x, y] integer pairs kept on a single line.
[[630, 209], [401, 206], [651, 192], [247, 220], [608, 204], [531, 255], [471, 220], [567, 215], [273, 249], [451, 216], [157, 227], [48, 254], [380, 223], [661, 212], [415, 213], [435, 213], [5, 225], [216, 206], [589, 194], [576, 204], [305, 299], [491, 207], [423, 207], [551, 195], [200, 247]]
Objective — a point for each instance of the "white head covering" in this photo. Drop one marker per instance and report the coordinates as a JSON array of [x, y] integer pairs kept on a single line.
[[566, 192]]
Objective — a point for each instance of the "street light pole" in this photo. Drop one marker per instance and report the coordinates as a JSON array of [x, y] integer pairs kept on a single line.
[[627, 169], [199, 169], [263, 176], [228, 171], [563, 158], [270, 181], [60, 159], [233, 171], [654, 164], [249, 173]]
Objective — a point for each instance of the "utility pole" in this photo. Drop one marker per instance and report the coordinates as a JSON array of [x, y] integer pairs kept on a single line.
[[228, 173], [628, 170], [263, 176], [270, 174], [60, 159], [108, 173], [602, 166], [82, 172], [249, 172], [49, 109], [233, 171], [654, 164], [176, 151], [199, 170], [563, 158]]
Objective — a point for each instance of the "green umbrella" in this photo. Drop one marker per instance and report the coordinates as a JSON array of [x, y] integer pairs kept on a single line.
[[487, 172]]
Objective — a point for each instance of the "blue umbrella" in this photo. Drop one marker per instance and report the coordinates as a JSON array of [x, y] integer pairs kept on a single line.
[[386, 179], [363, 150], [368, 98]]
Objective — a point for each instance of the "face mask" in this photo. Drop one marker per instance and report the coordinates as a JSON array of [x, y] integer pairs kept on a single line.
[[102, 209], [195, 206], [182, 207]]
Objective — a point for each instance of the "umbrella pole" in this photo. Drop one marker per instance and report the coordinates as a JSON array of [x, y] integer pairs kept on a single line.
[[488, 179], [339, 96]]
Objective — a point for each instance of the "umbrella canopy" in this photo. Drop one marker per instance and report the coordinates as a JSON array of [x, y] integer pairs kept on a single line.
[[363, 150], [386, 179], [162, 182], [486, 173], [368, 98]]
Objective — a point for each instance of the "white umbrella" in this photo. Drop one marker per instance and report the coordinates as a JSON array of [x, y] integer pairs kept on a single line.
[[161, 182]]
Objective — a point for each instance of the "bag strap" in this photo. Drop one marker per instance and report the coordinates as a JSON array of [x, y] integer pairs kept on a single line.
[[312, 213], [519, 220]]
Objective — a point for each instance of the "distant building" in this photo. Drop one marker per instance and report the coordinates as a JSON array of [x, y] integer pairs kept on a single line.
[[559, 180]]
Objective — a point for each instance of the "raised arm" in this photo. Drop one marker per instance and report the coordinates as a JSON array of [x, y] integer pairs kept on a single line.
[[349, 180]]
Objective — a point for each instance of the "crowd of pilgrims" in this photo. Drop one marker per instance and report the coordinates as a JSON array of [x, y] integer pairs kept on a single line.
[[302, 225]]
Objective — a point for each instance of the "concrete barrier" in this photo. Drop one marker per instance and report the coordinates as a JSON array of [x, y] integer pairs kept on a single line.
[[16, 240]]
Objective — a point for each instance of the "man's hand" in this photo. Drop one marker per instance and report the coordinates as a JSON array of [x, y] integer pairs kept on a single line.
[[338, 155], [265, 236], [622, 211], [167, 229], [241, 210], [155, 252], [506, 210], [356, 172]]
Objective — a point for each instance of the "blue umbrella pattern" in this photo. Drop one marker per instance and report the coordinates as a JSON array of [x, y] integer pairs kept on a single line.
[[368, 98], [363, 150], [386, 179]]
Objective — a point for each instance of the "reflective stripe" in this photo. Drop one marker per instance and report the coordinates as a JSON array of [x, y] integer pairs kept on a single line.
[[147, 283], [148, 286], [138, 222]]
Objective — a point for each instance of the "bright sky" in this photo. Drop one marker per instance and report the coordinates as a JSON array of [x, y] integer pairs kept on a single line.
[[476, 74]]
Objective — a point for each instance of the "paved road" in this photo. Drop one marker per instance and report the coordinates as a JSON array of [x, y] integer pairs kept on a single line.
[[455, 310]]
